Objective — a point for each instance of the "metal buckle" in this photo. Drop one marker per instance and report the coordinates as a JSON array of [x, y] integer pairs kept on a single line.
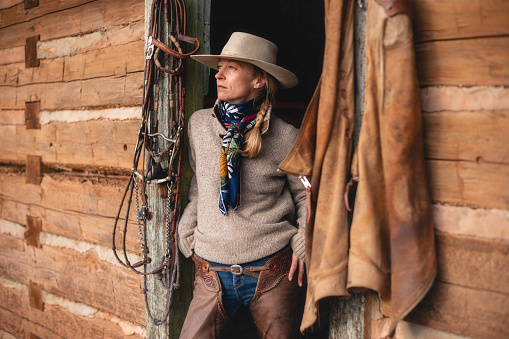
[[150, 49], [240, 268]]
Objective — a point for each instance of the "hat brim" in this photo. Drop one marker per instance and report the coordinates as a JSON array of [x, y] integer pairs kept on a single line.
[[285, 78]]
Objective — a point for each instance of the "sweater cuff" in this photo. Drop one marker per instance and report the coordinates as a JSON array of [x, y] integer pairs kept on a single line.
[[298, 245], [186, 245]]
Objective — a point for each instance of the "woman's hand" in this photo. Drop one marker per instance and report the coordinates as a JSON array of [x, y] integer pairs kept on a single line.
[[297, 262]]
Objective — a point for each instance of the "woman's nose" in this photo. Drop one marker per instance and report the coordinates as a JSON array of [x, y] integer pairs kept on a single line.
[[219, 74]]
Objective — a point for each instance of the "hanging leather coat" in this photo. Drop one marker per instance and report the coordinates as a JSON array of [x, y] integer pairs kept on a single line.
[[392, 247], [391, 239], [323, 150]]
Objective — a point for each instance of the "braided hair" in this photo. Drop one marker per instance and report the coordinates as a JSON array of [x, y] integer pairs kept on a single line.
[[264, 101]]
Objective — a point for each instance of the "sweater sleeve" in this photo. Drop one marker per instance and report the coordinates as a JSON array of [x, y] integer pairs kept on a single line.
[[188, 220], [298, 192]]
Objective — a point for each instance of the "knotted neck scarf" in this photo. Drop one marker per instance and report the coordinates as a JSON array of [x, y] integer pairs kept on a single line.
[[238, 119]]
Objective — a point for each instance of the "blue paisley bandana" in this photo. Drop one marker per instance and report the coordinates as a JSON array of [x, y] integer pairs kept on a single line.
[[238, 119]]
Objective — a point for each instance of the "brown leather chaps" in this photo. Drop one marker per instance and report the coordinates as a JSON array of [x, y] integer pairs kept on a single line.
[[276, 307]]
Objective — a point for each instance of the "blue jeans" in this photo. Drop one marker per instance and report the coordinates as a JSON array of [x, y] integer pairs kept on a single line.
[[238, 290]]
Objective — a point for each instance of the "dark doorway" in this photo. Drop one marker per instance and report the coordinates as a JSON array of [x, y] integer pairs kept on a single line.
[[295, 26]]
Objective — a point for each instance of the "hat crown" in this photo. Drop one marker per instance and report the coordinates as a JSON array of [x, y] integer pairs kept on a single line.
[[244, 45]]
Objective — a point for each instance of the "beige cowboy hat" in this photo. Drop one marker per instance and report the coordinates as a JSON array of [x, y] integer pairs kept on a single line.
[[254, 50]]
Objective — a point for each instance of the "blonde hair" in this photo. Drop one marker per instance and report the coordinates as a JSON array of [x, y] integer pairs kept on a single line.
[[264, 101]]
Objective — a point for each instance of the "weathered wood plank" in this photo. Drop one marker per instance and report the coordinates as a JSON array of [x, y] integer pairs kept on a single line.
[[12, 117], [94, 196], [84, 227], [74, 21], [467, 62], [109, 61], [110, 91], [103, 143], [458, 19], [18, 14], [117, 60], [406, 330], [9, 3], [12, 55], [480, 264], [469, 183], [464, 311], [452, 98], [103, 38], [87, 278], [470, 136], [9, 74], [474, 222]]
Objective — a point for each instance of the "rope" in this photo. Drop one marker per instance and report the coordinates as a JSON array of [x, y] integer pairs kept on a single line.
[[151, 151]]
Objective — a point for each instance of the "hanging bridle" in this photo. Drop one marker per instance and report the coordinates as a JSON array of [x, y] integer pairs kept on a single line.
[[173, 14]]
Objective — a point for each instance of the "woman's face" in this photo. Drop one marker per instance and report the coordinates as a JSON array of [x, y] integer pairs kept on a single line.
[[237, 82]]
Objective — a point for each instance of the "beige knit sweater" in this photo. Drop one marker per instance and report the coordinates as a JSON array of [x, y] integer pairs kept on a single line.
[[273, 206]]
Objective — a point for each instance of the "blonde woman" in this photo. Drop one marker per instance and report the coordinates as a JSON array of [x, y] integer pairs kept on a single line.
[[244, 224]]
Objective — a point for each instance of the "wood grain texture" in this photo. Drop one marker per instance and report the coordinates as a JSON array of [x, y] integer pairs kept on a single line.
[[474, 184], [62, 318], [467, 62], [101, 92], [103, 143], [73, 21], [85, 279], [18, 13], [464, 311], [472, 262], [469, 135], [459, 19]]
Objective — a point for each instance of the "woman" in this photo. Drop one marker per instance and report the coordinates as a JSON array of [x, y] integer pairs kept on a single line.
[[248, 256]]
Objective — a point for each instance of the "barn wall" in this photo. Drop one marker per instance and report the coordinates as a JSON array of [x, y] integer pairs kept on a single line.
[[462, 52], [70, 94]]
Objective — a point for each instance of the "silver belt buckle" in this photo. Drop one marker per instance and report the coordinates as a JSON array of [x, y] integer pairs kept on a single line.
[[235, 267]]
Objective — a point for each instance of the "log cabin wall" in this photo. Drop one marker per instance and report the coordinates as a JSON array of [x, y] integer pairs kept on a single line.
[[71, 76], [462, 52]]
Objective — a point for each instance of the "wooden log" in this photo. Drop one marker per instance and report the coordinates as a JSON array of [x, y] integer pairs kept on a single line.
[[102, 143], [12, 117], [475, 184], [471, 262], [9, 3], [73, 21], [471, 136], [109, 61], [112, 61], [103, 38], [9, 74], [63, 317], [459, 19], [407, 330], [18, 13], [463, 311], [466, 62], [86, 278], [74, 225], [12, 55], [102, 92]]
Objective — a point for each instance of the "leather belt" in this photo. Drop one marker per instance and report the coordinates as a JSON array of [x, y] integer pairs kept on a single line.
[[279, 263], [240, 270]]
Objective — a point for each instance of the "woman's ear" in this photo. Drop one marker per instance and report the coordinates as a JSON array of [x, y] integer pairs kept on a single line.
[[259, 82]]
